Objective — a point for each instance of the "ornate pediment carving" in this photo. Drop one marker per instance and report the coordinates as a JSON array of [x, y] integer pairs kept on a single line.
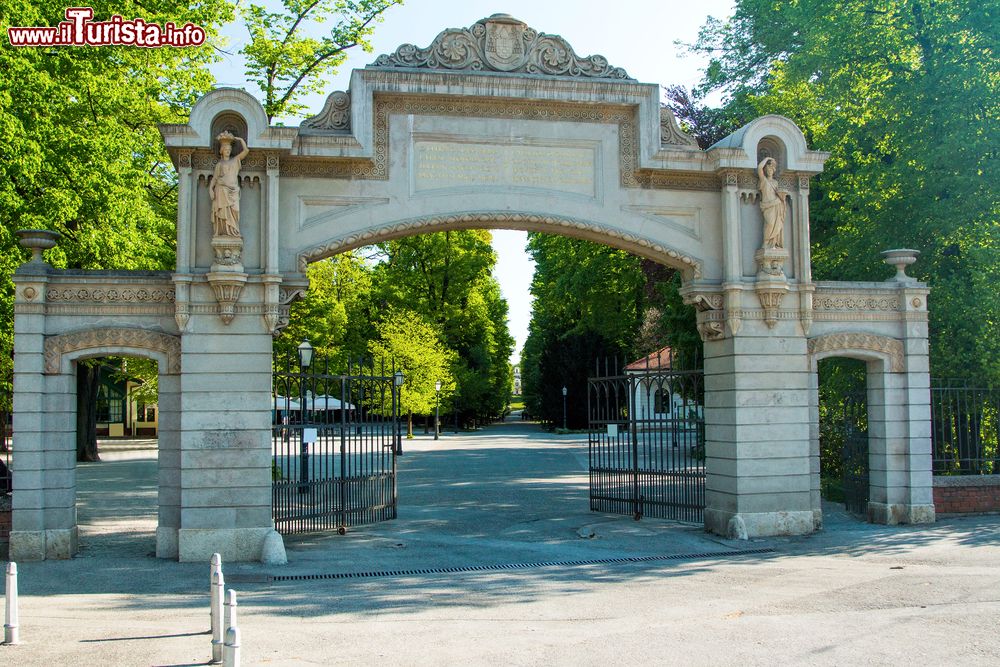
[[501, 43], [335, 118], [671, 133]]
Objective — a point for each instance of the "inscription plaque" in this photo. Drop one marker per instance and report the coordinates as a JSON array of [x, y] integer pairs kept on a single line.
[[454, 164]]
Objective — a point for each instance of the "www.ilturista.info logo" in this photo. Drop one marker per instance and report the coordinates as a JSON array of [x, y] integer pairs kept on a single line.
[[79, 30]]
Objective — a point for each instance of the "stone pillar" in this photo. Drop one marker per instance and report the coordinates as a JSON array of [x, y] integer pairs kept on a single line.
[[169, 465], [920, 465], [185, 223], [899, 424], [757, 432], [225, 436], [44, 499], [803, 261], [732, 251], [815, 486]]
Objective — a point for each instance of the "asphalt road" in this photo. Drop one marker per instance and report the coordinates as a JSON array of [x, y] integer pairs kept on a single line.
[[513, 496]]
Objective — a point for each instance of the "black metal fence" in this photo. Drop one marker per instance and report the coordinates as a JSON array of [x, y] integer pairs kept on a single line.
[[647, 440], [334, 447], [964, 428]]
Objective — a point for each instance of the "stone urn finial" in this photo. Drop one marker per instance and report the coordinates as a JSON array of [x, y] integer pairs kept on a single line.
[[901, 258], [38, 240]]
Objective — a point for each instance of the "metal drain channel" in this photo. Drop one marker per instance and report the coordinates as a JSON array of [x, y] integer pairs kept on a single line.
[[518, 566]]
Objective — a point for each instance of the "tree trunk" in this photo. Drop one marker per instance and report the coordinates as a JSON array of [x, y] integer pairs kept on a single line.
[[88, 379], [409, 425], [427, 425]]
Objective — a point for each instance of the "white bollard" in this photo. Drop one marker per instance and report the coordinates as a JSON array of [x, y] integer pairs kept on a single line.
[[232, 648], [215, 565], [10, 635], [230, 621], [230, 625], [218, 632]]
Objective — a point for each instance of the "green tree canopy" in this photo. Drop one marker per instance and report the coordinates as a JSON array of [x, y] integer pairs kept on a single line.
[[80, 151], [447, 278], [905, 94], [413, 345], [286, 61]]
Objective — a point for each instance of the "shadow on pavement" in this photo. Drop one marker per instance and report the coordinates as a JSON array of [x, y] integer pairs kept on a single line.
[[510, 494]]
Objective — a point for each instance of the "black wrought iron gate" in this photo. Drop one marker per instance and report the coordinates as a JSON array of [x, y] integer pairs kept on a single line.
[[854, 472], [647, 441], [334, 447]]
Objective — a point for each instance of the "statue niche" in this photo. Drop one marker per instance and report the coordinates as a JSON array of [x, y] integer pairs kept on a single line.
[[773, 207], [227, 277], [770, 257]]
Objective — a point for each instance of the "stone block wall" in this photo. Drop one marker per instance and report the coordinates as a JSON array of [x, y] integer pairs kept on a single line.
[[967, 494]]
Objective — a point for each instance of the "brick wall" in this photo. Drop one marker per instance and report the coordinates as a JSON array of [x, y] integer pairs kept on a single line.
[[967, 495]]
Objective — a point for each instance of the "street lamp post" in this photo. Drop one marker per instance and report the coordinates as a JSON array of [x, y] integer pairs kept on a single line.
[[305, 351], [397, 381], [437, 409], [564, 407]]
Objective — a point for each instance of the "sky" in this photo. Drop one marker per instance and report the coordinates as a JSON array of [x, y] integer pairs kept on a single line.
[[637, 35]]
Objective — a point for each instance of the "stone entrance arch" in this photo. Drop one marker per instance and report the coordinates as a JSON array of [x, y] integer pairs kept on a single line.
[[495, 125]]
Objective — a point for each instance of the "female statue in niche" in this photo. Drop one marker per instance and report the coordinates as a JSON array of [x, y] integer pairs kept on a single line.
[[225, 187], [772, 204]]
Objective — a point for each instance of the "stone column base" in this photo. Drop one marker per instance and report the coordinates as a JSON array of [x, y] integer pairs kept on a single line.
[[234, 544], [896, 513], [53, 544], [166, 542], [760, 524]]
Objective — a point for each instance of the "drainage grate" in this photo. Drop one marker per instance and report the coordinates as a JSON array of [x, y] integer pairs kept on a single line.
[[519, 566]]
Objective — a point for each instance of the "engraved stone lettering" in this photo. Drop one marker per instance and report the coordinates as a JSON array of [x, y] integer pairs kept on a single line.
[[440, 164]]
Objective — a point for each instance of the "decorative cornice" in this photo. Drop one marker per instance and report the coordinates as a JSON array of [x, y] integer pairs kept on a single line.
[[107, 309], [205, 160], [532, 221], [111, 295], [136, 339], [847, 342], [678, 180], [501, 43], [856, 302]]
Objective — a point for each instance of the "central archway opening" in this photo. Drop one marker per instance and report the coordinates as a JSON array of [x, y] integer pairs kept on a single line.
[[430, 307]]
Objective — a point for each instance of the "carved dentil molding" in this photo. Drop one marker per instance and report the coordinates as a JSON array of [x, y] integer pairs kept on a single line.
[[846, 342], [550, 223], [92, 339], [501, 43]]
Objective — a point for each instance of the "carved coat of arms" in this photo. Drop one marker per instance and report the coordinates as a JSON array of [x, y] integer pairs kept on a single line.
[[504, 44]]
